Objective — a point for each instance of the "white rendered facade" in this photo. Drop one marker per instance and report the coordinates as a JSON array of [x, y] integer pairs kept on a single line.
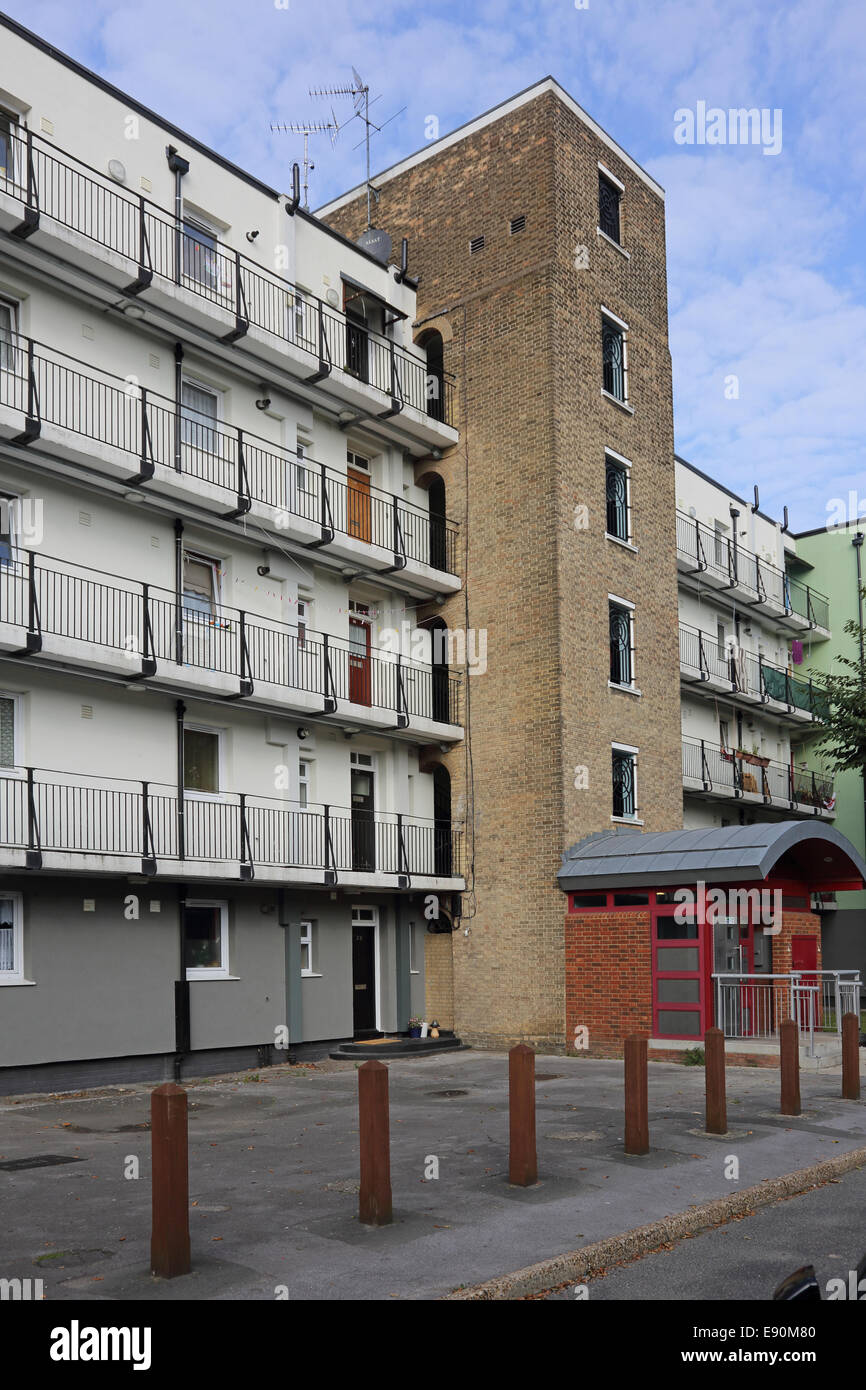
[[215, 568]]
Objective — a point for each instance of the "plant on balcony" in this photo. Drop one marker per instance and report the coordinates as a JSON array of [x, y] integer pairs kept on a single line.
[[843, 737], [414, 1026]]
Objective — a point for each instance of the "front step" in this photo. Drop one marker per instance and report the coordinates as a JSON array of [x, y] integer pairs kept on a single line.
[[397, 1047]]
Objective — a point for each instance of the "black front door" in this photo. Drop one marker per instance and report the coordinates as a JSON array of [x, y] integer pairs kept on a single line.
[[363, 981], [356, 348], [363, 826]]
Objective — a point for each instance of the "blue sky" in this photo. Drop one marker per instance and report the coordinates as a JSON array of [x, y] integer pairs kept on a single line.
[[765, 252]]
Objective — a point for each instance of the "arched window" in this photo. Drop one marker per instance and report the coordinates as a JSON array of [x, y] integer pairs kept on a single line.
[[438, 530], [440, 697], [433, 346], [442, 853]]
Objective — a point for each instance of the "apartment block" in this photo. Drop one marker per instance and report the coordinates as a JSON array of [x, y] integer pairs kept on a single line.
[[539, 245], [226, 822]]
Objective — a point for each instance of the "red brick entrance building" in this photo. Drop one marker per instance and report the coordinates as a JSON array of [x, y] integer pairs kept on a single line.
[[671, 932]]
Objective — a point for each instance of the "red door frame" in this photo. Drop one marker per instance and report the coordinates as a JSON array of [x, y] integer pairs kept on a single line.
[[359, 665]]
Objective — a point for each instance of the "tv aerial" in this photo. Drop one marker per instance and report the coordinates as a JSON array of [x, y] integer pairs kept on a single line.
[[308, 128], [359, 93]]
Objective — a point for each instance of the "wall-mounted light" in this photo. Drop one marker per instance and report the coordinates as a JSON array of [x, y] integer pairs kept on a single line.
[[303, 731], [251, 236], [264, 402]]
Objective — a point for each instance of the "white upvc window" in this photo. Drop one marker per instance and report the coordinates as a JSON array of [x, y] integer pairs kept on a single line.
[[10, 754], [200, 416], [11, 939], [308, 937], [9, 137], [624, 767], [7, 526], [202, 761], [201, 584], [201, 256], [303, 783], [8, 333], [206, 939]]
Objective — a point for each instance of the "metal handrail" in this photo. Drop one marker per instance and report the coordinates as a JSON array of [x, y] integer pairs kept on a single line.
[[774, 782], [44, 811], [154, 429], [742, 568], [766, 680], [144, 621], [71, 192]]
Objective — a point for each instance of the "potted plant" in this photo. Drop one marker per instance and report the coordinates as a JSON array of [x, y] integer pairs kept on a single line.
[[414, 1027]]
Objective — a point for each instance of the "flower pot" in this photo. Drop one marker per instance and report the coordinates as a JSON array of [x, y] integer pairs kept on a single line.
[[414, 1032]]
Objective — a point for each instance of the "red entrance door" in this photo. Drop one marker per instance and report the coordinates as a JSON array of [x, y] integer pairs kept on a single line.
[[359, 662]]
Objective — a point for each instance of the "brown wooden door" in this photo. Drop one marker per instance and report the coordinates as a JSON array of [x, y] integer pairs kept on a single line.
[[359, 519]]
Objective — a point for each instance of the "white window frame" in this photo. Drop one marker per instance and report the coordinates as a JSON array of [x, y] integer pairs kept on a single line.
[[16, 770], [210, 390], [210, 972], [10, 501], [617, 322], [202, 223], [308, 942], [625, 603], [216, 571], [12, 174], [626, 465], [190, 793], [14, 306], [304, 780], [628, 748], [16, 976]]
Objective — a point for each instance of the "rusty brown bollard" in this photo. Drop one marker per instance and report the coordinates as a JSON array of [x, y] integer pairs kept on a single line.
[[714, 1055], [636, 1103], [374, 1205], [522, 1157], [850, 1057], [169, 1240], [789, 1057]]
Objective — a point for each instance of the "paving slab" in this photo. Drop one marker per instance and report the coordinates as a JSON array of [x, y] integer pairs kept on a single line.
[[274, 1169]]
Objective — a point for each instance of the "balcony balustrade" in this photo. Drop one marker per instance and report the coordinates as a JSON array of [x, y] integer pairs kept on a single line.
[[704, 661], [724, 564], [139, 628], [712, 770], [44, 814], [49, 185], [165, 442]]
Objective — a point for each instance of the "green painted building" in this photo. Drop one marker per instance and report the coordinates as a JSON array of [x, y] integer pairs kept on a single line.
[[829, 557]]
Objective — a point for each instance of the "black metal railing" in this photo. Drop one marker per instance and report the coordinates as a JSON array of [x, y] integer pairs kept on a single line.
[[721, 557], [142, 622], [749, 674], [51, 183], [737, 771], [44, 811], [48, 388]]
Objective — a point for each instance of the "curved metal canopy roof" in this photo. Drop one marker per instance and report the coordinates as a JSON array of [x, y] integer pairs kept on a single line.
[[624, 858]]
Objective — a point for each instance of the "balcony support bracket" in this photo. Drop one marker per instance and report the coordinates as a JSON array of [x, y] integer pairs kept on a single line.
[[396, 407], [330, 705], [28, 226], [143, 282], [324, 371], [33, 644], [149, 866], [240, 329], [325, 539], [33, 859], [32, 430], [330, 878], [248, 872]]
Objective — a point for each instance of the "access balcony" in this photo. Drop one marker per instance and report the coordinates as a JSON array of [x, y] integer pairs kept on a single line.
[[708, 560], [56, 612], [67, 822], [746, 679], [733, 774], [76, 412], [52, 200]]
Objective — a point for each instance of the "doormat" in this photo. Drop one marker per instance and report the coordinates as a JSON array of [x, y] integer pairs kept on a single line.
[[373, 1042]]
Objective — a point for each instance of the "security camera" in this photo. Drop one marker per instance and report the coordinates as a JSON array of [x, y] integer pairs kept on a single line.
[[251, 236], [263, 570], [303, 731], [263, 403]]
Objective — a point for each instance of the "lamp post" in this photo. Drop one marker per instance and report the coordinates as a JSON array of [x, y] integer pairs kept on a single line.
[[857, 542]]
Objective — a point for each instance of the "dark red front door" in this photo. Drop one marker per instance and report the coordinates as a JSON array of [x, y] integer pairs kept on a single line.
[[359, 662]]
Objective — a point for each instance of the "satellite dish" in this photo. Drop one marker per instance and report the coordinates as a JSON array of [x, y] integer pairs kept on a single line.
[[377, 243]]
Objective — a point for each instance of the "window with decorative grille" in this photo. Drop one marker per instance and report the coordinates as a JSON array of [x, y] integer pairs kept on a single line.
[[617, 492], [621, 656], [613, 359], [608, 208], [624, 784]]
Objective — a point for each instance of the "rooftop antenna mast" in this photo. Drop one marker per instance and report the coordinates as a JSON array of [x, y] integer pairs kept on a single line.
[[308, 128], [360, 95]]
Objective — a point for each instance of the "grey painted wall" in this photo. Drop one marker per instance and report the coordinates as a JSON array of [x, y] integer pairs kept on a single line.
[[104, 985], [843, 941]]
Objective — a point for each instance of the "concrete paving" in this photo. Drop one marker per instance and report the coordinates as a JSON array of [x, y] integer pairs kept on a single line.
[[743, 1259], [274, 1170]]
